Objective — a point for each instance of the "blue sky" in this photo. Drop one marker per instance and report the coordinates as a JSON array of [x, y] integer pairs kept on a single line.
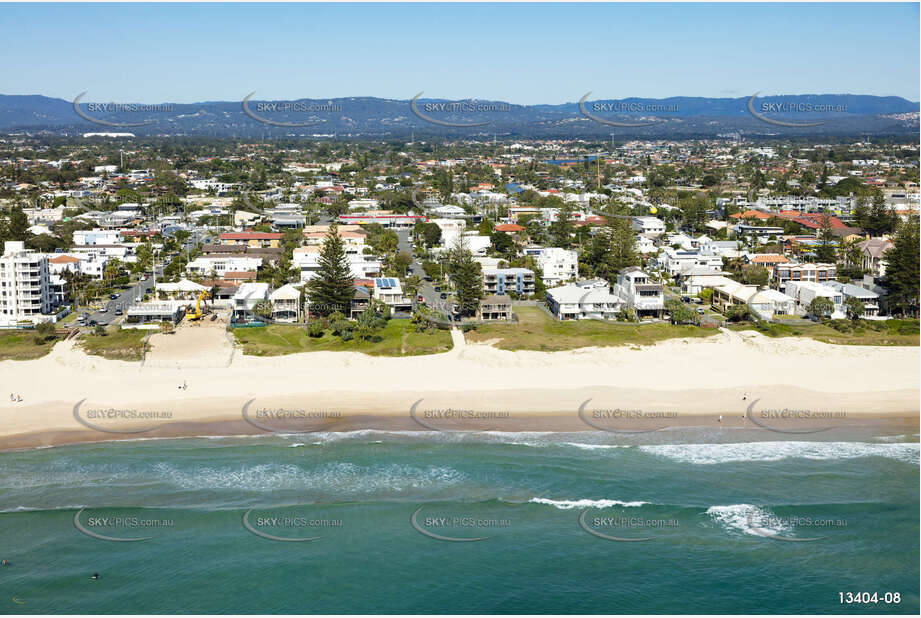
[[522, 53]]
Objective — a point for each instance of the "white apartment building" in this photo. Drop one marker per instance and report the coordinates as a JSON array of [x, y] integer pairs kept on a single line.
[[96, 237], [645, 244], [25, 285], [307, 261], [676, 262], [364, 204], [806, 203], [451, 230], [648, 225], [206, 264], [478, 245], [557, 265], [211, 184]]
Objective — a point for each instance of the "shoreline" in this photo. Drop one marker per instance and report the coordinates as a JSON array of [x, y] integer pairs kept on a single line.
[[888, 424], [474, 387]]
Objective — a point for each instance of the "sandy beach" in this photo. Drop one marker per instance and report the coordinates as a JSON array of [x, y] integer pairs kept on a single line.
[[793, 383]]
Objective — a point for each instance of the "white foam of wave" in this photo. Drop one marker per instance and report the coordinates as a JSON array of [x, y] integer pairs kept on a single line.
[[66, 507], [705, 454], [899, 438], [594, 447], [585, 503], [747, 518], [342, 478]]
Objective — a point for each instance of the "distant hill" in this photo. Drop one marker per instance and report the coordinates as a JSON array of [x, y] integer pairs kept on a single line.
[[375, 118]]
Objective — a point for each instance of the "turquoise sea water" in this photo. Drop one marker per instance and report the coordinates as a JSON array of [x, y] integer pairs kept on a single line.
[[727, 515]]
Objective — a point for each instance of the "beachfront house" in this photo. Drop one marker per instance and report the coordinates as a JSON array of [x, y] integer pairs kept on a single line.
[[247, 297], [494, 308], [868, 298], [583, 300], [873, 255], [389, 291], [805, 291], [286, 304], [635, 288]]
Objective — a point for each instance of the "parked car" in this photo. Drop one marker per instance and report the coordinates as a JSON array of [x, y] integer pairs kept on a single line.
[[420, 298], [93, 322], [701, 311], [104, 309], [437, 288], [113, 296], [443, 295], [118, 311]]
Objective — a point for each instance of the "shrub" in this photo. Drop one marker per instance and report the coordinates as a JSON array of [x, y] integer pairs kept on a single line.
[[315, 329], [738, 313], [340, 326], [44, 330]]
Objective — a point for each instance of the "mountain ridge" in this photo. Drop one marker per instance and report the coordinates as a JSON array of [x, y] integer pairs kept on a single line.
[[376, 117]]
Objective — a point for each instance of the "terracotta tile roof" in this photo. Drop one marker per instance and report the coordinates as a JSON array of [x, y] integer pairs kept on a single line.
[[251, 236], [63, 259], [751, 214], [769, 258], [240, 274]]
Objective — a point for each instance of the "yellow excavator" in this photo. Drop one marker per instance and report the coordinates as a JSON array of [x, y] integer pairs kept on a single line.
[[196, 313]]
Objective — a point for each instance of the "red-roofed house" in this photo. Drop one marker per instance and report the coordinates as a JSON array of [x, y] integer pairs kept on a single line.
[[239, 276], [768, 260], [252, 239], [813, 220], [509, 227], [751, 214]]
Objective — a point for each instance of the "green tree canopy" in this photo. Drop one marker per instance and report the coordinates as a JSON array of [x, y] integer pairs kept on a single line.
[[331, 289]]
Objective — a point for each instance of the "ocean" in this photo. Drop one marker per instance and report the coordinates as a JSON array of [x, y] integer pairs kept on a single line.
[[686, 520]]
